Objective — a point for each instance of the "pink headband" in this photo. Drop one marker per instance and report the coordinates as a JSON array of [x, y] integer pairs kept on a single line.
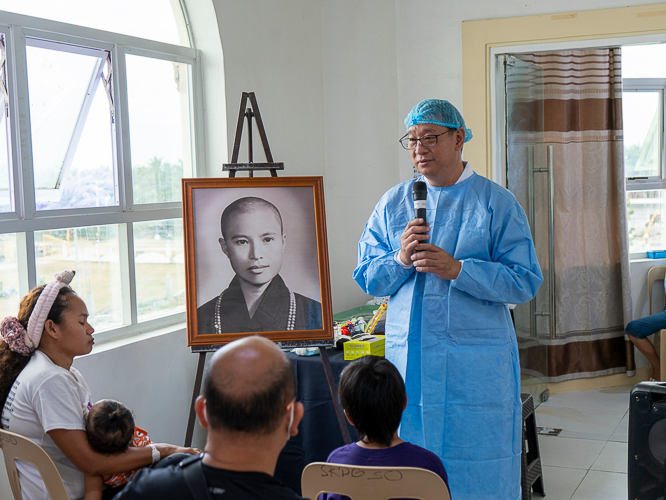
[[43, 307], [25, 342]]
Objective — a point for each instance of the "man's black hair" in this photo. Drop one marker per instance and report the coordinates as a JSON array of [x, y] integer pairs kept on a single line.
[[247, 204], [257, 412], [373, 394]]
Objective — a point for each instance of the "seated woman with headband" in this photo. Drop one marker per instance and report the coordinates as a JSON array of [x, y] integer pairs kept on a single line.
[[45, 399]]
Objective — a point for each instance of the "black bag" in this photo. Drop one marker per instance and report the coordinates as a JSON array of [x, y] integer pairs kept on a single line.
[[195, 478]]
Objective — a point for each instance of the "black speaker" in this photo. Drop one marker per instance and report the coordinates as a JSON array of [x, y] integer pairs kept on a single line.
[[647, 442]]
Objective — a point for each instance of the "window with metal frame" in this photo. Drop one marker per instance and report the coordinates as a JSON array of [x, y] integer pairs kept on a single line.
[[159, 20], [644, 87], [96, 131]]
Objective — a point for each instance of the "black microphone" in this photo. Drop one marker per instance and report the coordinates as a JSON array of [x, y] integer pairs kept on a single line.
[[419, 193]]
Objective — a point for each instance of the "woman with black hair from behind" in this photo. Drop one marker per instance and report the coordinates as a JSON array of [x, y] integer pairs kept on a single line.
[[373, 397]]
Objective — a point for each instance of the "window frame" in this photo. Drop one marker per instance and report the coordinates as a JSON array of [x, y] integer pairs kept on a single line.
[[649, 85], [653, 182], [24, 220]]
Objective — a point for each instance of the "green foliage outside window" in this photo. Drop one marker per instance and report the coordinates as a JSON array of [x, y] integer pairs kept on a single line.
[[158, 181]]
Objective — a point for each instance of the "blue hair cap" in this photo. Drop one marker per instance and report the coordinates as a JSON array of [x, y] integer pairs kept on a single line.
[[437, 112]]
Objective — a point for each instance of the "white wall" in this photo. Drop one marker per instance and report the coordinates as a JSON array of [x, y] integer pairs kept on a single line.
[[325, 79], [362, 128], [273, 48], [206, 38]]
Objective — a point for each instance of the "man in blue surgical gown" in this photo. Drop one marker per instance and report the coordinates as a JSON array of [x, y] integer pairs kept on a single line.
[[448, 329]]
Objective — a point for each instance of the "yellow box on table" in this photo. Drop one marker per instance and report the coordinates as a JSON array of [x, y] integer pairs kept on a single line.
[[358, 348]]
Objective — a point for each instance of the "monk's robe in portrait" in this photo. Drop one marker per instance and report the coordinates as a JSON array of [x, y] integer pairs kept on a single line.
[[279, 309]]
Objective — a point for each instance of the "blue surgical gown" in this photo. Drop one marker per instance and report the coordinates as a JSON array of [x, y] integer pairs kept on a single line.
[[453, 341]]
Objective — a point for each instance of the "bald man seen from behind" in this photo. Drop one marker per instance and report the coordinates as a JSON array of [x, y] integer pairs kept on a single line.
[[250, 411]]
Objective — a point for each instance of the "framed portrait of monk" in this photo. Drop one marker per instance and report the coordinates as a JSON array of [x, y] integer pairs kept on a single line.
[[256, 259]]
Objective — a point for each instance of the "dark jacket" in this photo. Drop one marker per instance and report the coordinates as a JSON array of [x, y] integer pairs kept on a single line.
[[206, 483]]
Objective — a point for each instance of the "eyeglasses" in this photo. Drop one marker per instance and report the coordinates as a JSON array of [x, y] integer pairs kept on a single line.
[[427, 141]]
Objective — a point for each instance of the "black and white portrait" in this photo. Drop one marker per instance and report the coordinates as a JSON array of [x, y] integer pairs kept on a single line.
[[257, 260]]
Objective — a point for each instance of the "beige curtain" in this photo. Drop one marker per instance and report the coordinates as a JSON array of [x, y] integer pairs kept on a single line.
[[582, 117]]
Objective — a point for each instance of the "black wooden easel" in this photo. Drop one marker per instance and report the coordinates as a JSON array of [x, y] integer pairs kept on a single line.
[[250, 167]]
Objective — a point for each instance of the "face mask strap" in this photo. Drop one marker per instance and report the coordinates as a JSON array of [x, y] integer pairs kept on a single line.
[[291, 417]]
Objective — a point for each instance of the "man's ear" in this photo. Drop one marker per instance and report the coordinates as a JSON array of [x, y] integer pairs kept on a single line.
[[405, 407], [299, 411], [223, 246], [200, 409], [460, 139]]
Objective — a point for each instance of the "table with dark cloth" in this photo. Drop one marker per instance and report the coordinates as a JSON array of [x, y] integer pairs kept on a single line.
[[319, 432]]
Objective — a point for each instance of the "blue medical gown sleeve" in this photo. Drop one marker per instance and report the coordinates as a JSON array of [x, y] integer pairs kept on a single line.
[[377, 272], [513, 275]]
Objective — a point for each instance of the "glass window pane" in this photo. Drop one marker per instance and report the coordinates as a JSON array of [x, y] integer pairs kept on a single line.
[[71, 130], [5, 164], [9, 280], [160, 272], [641, 119], [158, 95], [644, 61], [129, 17], [93, 252], [647, 222]]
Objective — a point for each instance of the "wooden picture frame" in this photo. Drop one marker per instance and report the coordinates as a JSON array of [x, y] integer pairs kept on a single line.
[[223, 275]]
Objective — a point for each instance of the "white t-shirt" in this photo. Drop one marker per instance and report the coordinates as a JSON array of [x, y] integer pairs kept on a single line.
[[45, 397]]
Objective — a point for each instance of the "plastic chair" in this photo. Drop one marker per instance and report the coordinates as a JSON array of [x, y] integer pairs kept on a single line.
[[654, 274], [372, 483], [15, 447]]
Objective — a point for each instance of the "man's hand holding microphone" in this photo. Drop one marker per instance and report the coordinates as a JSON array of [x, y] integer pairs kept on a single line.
[[427, 258]]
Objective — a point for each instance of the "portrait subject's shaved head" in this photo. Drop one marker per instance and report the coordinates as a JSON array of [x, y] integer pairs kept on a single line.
[[247, 205]]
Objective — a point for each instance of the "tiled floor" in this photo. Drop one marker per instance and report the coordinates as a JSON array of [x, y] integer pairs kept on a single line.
[[588, 460]]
